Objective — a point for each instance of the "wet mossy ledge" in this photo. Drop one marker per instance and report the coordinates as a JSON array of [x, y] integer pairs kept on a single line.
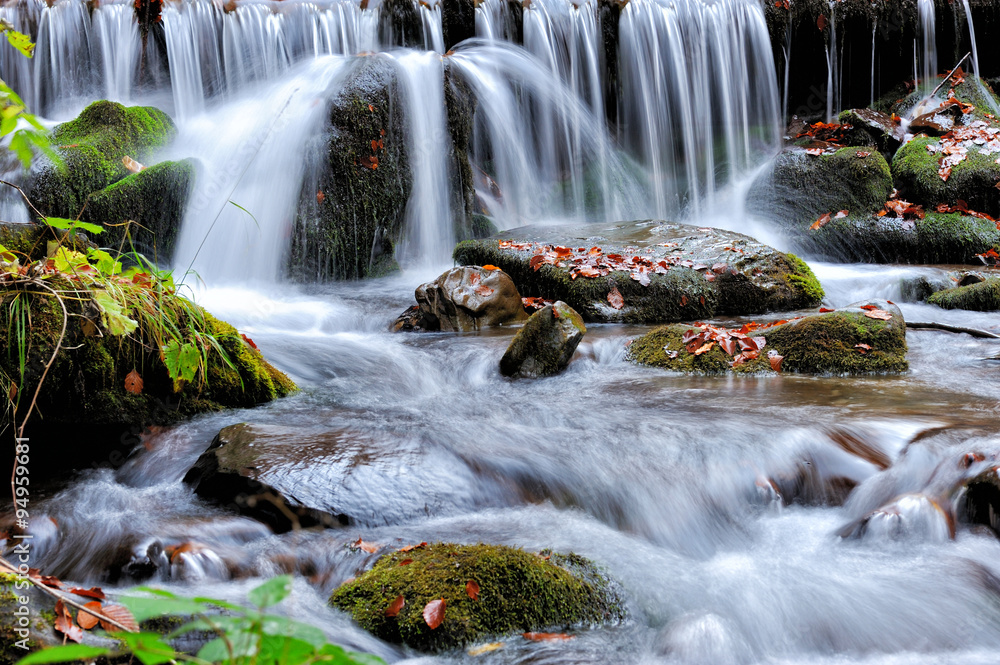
[[983, 296], [518, 592], [845, 341], [710, 272]]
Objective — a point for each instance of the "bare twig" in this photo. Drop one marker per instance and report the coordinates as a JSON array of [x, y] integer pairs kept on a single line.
[[948, 75], [922, 325], [25, 197]]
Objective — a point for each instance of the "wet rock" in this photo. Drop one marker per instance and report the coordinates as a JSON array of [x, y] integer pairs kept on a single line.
[[938, 238], [155, 198], [982, 296], [545, 344], [288, 476], [353, 205], [871, 128], [470, 298], [518, 592], [982, 499], [709, 272], [414, 320], [911, 516], [846, 341], [800, 187], [458, 21], [92, 147], [972, 180], [400, 24]]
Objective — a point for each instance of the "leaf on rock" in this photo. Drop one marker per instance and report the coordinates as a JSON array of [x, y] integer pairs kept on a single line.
[[879, 314], [536, 261], [133, 384], [371, 548], [434, 613], [120, 614], [395, 606], [92, 592], [775, 358], [704, 348], [824, 310], [472, 589], [86, 619], [546, 637], [863, 348], [615, 298], [821, 222], [490, 267], [131, 165], [486, 648], [64, 623]]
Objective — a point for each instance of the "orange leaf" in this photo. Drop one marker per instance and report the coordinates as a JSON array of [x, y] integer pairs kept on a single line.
[[87, 620], [395, 606], [863, 348], [434, 613], [705, 348], [64, 623], [879, 314], [133, 382], [684, 301], [405, 562], [489, 267], [320, 196], [615, 298], [472, 589], [536, 261], [93, 592], [371, 548], [824, 310], [775, 359], [546, 637], [120, 614], [821, 222]]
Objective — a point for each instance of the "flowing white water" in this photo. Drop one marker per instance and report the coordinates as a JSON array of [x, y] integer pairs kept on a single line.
[[975, 59], [927, 74], [117, 37], [251, 154]]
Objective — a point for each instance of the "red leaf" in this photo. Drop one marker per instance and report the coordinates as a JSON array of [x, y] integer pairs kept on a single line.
[[93, 592], [406, 562], [775, 359], [728, 345], [395, 606], [320, 196], [684, 301], [472, 589], [536, 261], [546, 637], [615, 298], [434, 613], [65, 625], [869, 307], [824, 310], [822, 22], [249, 342], [87, 620]]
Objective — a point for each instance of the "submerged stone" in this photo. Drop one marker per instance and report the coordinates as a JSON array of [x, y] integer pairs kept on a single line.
[[469, 298], [545, 344], [707, 272], [517, 592], [981, 296], [845, 341]]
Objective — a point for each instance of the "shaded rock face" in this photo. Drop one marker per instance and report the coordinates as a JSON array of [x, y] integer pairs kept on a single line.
[[518, 592], [709, 272], [871, 128], [92, 147], [545, 344], [982, 296], [285, 476], [470, 298], [846, 341]]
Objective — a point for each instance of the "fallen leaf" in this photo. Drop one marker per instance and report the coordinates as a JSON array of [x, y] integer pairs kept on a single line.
[[824, 310], [395, 606], [406, 562], [869, 307], [371, 548], [821, 222], [705, 348], [489, 267], [472, 589], [546, 637], [249, 342], [536, 261], [879, 314], [93, 592], [486, 648], [841, 214], [775, 358], [684, 301], [133, 382], [86, 619], [64, 623], [320, 196], [862, 348], [131, 165], [615, 298], [434, 613]]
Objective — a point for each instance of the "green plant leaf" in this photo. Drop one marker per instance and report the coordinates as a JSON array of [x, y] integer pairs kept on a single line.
[[68, 260], [284, 650], [20, 146], [106, 265], [63, 654], [115, 320], [160, 606], [19, 41], [244, 644], [148, 647], [182, 360], [271, 592], [283, 627], [72, 224]]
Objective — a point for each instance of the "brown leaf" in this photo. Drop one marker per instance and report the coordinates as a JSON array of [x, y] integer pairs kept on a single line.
[[546, 637], [822, 22], [863, 348], [841, 214], [87, 620], [821, 222], [615, 298], [64, 623], [710, 276], [133, 382], [120, 614], [879, 314], [684, 301], [705, 348], [472, 589], [92, 592], [371, 548], [395, 606], [775, 359], [536, 261], [131, 165], [434, 613], [405, 562]]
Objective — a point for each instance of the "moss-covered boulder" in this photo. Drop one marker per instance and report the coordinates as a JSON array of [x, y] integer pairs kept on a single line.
[[871, 128], [982, 296], [155, 199], [545, 344], [845, 341], [92, 147], [973, 180], [799, 187], [937, 238], [517, 592], [469, 298], [662, 272]]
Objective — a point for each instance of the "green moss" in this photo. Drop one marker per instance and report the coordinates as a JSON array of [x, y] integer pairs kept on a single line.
[[818, 344], [92, 147], [981, 297], [802, 278], [519, 592], [972, 180]]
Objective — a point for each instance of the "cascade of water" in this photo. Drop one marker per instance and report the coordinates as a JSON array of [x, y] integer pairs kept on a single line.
[[543, 153], [240, 146], [928, 51], [433, 28], [874, 31], [700, 93], [975, 58], [253, 46], [16, 70], [429, 225], [493, 20], [119, 47], [833, 72], [64, 68], [192, 35]]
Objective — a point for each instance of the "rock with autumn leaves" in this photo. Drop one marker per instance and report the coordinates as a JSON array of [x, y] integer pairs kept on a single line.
[[867, 337], [647, 271]]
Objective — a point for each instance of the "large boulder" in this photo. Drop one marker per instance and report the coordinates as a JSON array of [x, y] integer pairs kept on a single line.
[[863, 338], [469, 298], [917, 170], [545, 344], [647, 271], [800, 186], [92, 147], [982, 296], [487, 591]]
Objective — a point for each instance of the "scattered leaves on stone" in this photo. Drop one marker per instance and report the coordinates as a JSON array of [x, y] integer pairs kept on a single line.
[[434, 613], [954, 146]]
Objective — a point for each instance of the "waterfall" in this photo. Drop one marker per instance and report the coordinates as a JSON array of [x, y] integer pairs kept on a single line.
[[192, 35], [975, 58], [64, 68], [928, 51], [117, 37]]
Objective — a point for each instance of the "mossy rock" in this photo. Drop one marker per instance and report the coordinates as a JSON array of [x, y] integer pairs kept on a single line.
[[92, 147], [982, 96], [972, 180], [546, 343], [817, 344], [30, 241], [938, 238], [86, 384], [870, 128], [800, 187], [981, 297], [752, 278], [155, 199], [518, 592], [351, 215]]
